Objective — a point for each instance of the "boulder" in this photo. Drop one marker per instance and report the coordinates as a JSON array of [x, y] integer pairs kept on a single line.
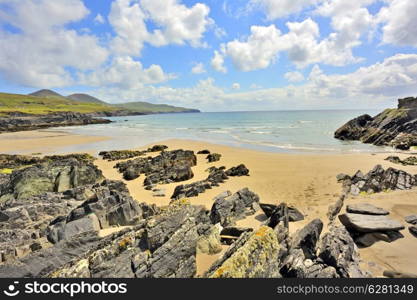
[[412, 219], [240, 170], [413, 230], [253, 255], [213, 157], [369, 223], [205, 151], [277, 213], [307, 237], [365, 209], [226, 210]]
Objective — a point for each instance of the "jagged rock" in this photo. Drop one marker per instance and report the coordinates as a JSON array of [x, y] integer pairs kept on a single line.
[[226, 210], [213, 157], [157, 148], [369, 223], [413, 230], [307, 237], [365, 209], [394, 127], [209, 242], [337, 249], [32, 122], [368, 239], [120, 154], [253, 255], [409, 161], [205, 151], [297, 266], [215, 177], [167, 167], [109, 205], [55, 174], [277, 213], [412, 219], [240, 170], [378, 180]]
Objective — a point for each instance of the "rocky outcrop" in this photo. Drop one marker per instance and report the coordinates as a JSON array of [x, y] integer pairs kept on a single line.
[[120, 154], [213, 157], [215, 177], [167, 167], [409, 161], [365, 209], [228, 208], [378, 180], [281, 212], [394, 127], [32, 122], [253, 255]]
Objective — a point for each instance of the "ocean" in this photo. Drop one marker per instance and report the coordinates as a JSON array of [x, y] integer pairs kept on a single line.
[[274, 131]]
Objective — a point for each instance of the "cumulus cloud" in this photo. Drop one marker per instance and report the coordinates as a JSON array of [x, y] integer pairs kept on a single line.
[[236, 86], [277, 9], [400, 23], [198, 69], [125, 72], [99, 19], [217, 62], [41, 51], [175, 24], [294, 76]]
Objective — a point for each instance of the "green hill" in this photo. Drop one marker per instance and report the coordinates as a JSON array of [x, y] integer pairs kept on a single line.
[[47, 101], [145, 107], [27, 104], [85, 98]]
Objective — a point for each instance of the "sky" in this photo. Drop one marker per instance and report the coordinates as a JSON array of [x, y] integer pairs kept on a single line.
[[215, 55]]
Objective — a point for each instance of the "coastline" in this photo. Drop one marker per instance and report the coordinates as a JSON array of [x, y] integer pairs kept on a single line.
[[305, 181]]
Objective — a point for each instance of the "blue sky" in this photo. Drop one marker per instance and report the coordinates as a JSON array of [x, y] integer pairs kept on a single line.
[[214, 55]]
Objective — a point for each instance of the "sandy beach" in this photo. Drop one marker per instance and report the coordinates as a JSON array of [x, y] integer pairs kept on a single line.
[[305, 181]]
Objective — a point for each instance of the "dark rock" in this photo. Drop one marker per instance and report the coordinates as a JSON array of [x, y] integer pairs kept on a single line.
[[157, 148], [167, 167], [280, 213], [215, 177], [394, 127], [205, 151], [368, 239], [409, 161], [226, 210], [240, 170], [213, 157], [307, 237], [338, 250], [365, 209], [378, 180], [369, 223], [413, 230], [120, 154], [412, 219], [32, 122]]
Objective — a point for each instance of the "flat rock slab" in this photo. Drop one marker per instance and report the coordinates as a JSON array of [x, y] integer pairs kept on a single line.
[[369, 223], [366, 209], [411, 219]]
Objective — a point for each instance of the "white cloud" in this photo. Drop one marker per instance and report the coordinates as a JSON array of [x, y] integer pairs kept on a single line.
[[236, 86], [294, 76], [175, 24], [125, 72], [198, 69], [40, 53], [99, 19], [275, 9], [400, 18], [217, 62]]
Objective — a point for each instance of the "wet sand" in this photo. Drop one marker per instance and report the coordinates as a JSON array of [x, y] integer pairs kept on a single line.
[[306, 181]]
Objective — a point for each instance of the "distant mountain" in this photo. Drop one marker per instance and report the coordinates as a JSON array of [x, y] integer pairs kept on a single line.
[[46, 94], [146, 107], [86, 98], [47, 101]]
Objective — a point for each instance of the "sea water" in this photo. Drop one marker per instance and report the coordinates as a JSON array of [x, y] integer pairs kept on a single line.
[[276, 131]]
